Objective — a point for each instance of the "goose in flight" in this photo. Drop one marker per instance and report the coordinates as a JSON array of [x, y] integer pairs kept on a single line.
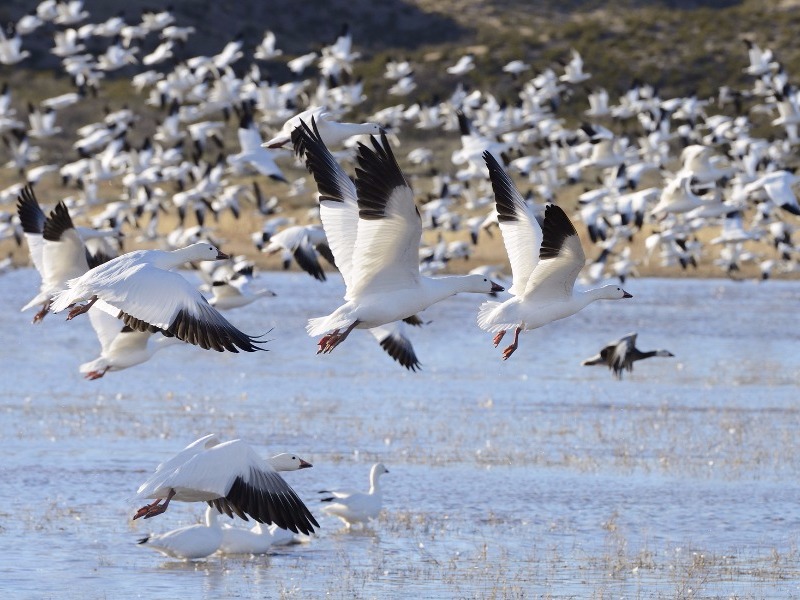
[[141, 289], [374, 230], [231, 477], [620, 355], [545, 262]]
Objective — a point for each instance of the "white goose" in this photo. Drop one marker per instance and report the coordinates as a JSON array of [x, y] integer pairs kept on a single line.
[[140, 288], [545, 261], [332, 132], [233, 478], [376, 248], [256, 540], [356, 507], [188, 543]]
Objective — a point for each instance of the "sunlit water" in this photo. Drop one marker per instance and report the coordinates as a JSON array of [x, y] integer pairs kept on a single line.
[[533, 477]]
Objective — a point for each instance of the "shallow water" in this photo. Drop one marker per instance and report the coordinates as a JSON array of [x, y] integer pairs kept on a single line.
[[534, 477]]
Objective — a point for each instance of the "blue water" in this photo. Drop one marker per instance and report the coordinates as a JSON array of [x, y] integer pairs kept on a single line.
[[531, 477]]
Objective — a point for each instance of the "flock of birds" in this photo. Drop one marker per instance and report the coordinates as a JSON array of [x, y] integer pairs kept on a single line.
[[709, 171]]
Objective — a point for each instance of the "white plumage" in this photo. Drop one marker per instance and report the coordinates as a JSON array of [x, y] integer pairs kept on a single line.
[[357, 507]]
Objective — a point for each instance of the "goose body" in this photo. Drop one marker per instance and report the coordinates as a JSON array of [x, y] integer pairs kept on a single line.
[[140, 288], [374, 230], [233, 478], [620, 355], [188, 543], [256, 540], [545, 262], [356, 507]]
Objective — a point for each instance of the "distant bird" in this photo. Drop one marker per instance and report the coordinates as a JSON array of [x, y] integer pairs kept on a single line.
[[464, 65], [356, 507], [545, 262], [376, 247], [235, 292], [332, 132], [620, 355], [188, 543], [231, 477], [303, 243], [140, 288]]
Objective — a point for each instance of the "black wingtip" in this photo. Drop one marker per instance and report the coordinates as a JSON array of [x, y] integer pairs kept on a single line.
[[556, 229], [57, 223], [503, 187], [377, 176], [31, 215]]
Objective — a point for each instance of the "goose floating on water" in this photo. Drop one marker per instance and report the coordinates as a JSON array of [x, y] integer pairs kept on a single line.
[[188, 543], [356, 507]]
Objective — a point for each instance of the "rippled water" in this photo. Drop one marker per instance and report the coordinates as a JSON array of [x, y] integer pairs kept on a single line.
[[535, 477]]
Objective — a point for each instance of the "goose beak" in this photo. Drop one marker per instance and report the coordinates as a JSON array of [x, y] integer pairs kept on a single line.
[[496, 287], [626, 294], [221, 255], [304, 464]]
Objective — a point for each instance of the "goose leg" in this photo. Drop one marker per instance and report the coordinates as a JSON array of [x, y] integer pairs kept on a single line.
[[96, 374], [79, 310], [324, 340], [337, 338], [510, 350], [154, 508], [39, 316], [498, 337]]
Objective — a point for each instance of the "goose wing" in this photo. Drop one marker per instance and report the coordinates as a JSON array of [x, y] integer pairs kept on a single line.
[[32, 219], [522, 234], [393, 339], [338, 201], [386, 253], [561, 258]]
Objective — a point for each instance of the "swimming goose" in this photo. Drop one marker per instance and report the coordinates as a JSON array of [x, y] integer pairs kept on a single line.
[[356, 507], [620, 355], [376, 247], [189, 543], [256, 540], [140, 288], [545, 261], [233, 478]]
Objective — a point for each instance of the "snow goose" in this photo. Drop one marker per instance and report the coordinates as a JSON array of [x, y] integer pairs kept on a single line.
[[545, 261], [140, 288], [231, 477], [188, 543], [120, 346], [332, 132], [235, 292], [620, 355], [302, 242], [356, 507], [376, 246], [256, 540]]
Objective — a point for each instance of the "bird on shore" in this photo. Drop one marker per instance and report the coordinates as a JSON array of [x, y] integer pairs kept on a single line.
[[140, 288], [356, 507], [375, 246], [545, 262], [188, 543], [231, 477], [620, 355]]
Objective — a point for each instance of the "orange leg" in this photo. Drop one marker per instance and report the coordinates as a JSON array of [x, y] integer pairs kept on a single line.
[[510, 350], [79, 310], [498, 337], [154, 508]]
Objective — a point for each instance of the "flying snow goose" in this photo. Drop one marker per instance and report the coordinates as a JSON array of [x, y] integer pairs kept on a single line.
[[331, 131], [545, 261], [233, 478], [235, 292], [620, 355], [376, 247], [140, 288], [188, 543], [356, 507], [120, 346], [56, 249]]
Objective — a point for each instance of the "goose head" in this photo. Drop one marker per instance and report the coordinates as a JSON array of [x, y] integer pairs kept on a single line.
[[612, 292], [664, 353], [288, 462], [203, 250], [481, 283]]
